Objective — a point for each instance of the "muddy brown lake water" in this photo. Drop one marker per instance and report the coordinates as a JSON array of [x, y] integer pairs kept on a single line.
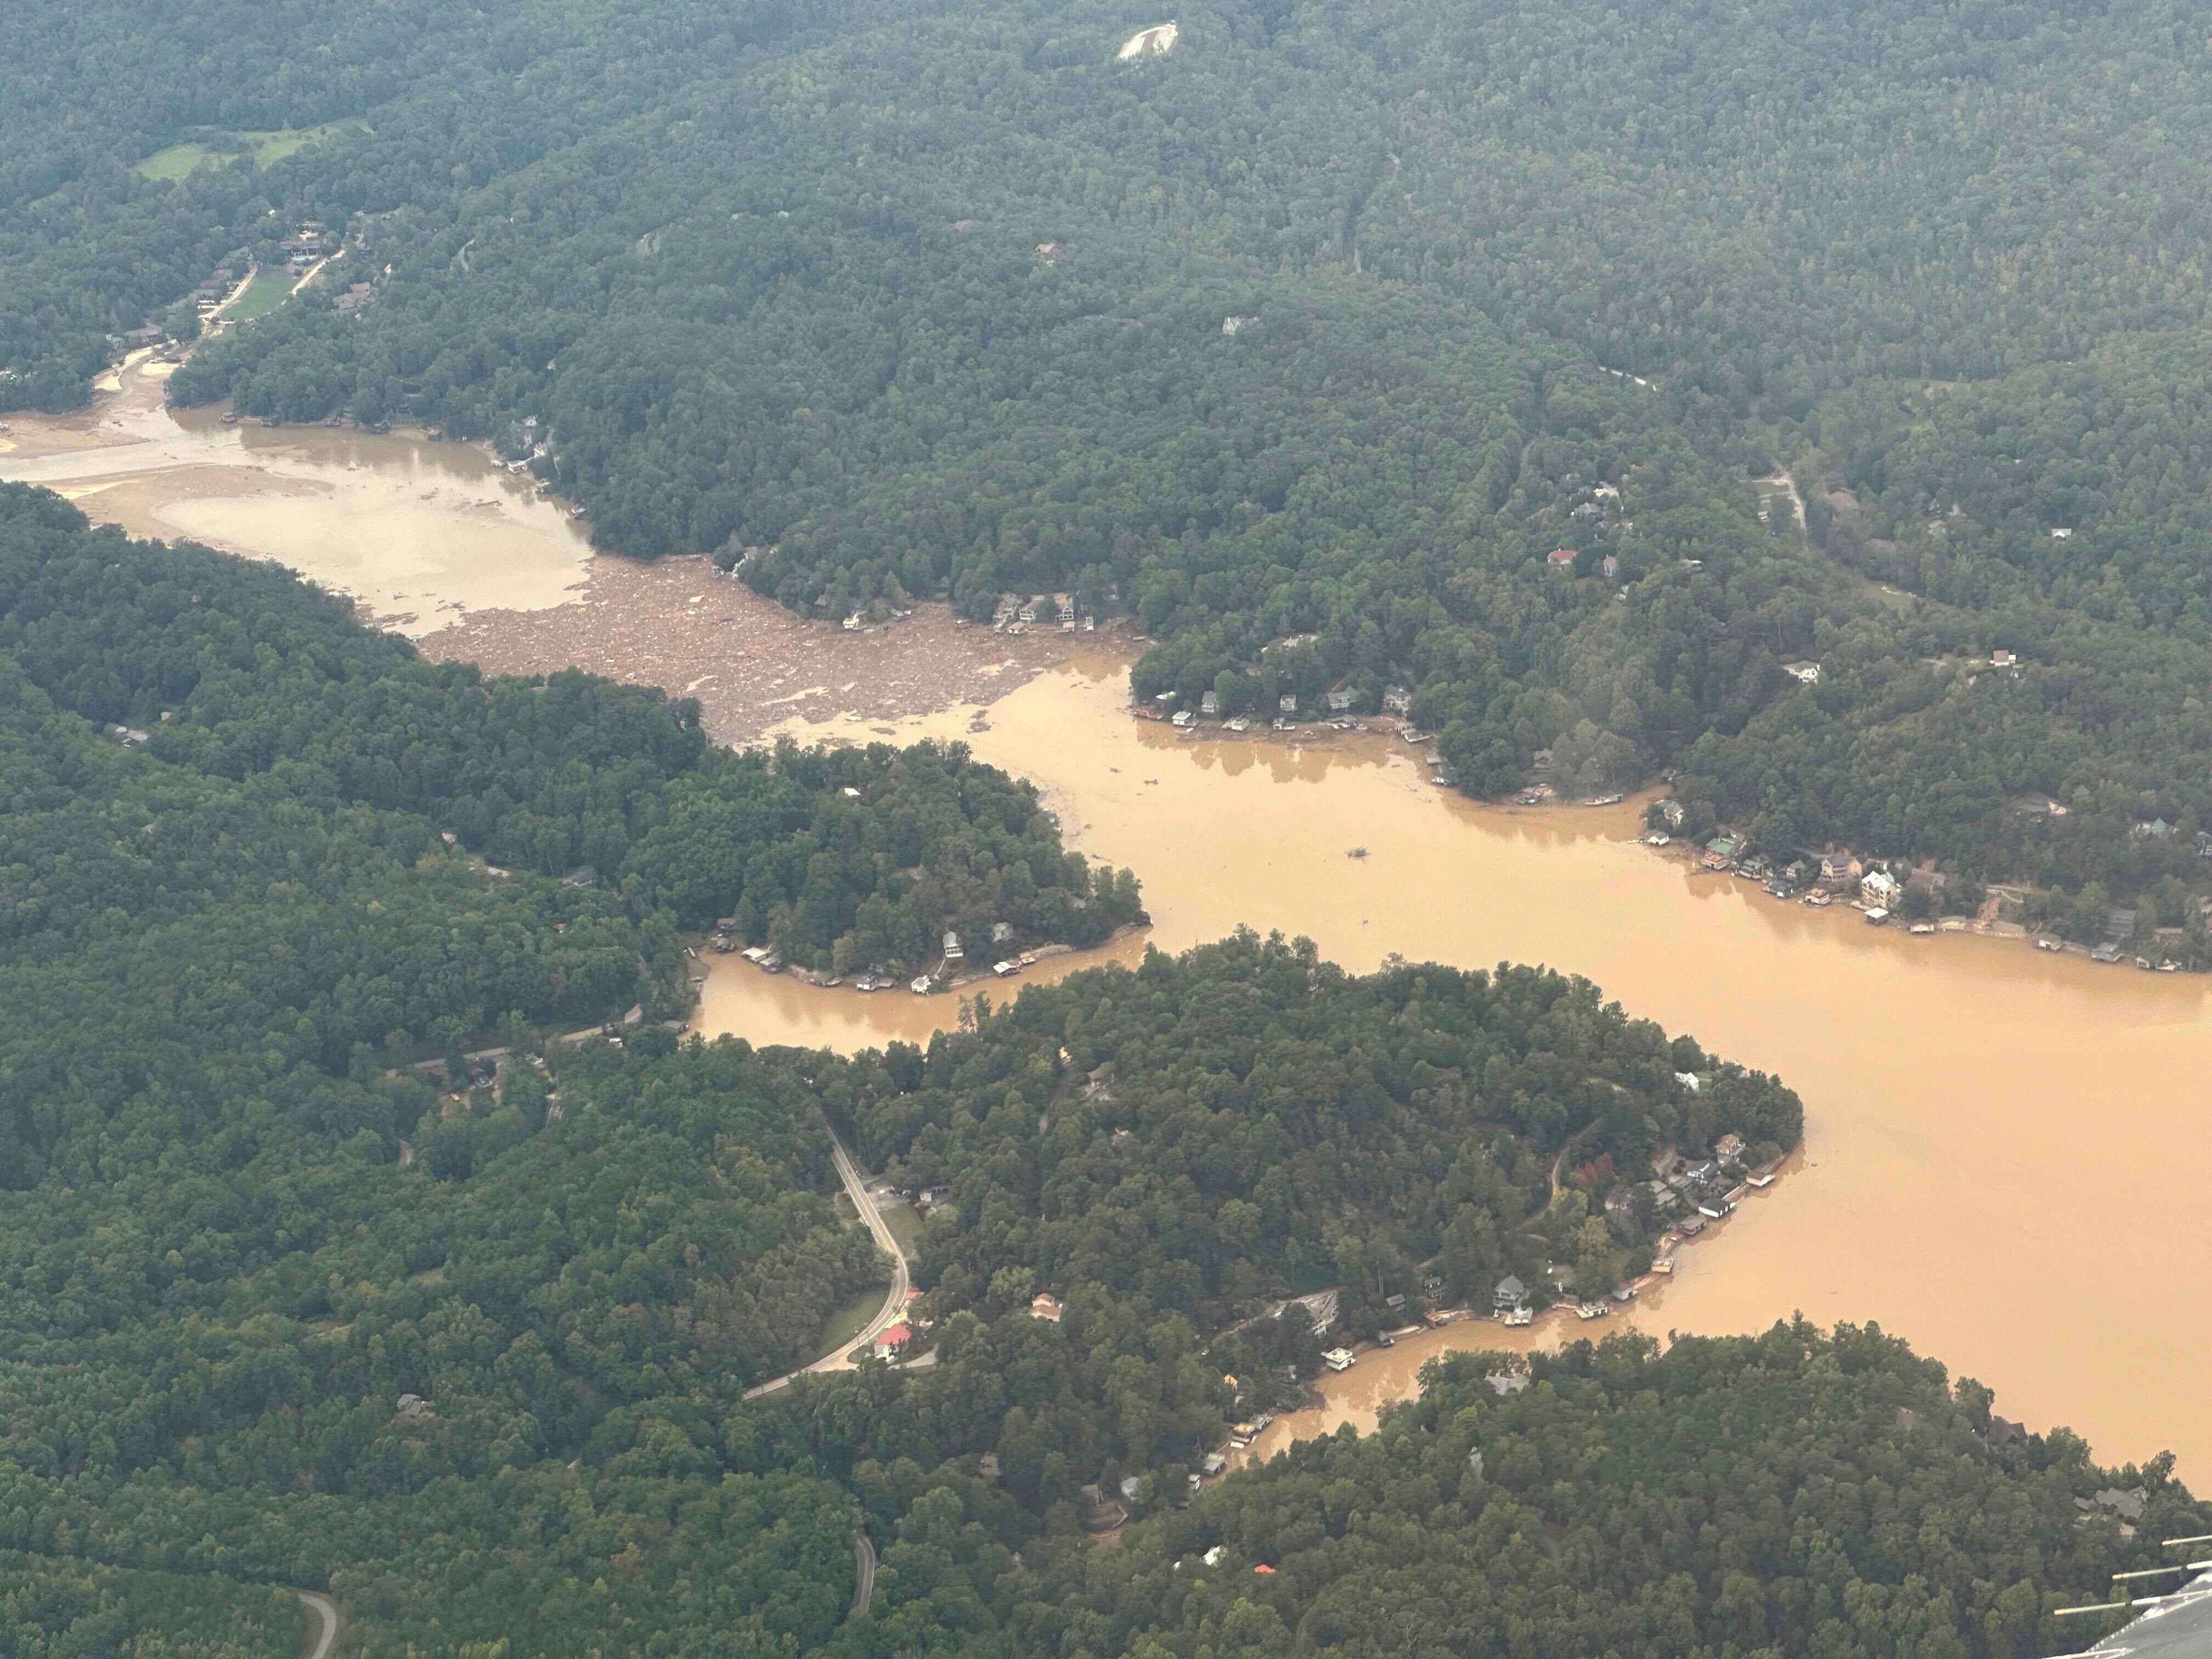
[[2005, 1153], [417, 531]]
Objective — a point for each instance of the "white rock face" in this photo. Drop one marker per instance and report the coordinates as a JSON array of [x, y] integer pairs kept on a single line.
[[1144, 42]]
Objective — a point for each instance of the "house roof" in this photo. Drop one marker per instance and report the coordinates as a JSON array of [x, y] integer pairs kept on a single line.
[[895, 1336]]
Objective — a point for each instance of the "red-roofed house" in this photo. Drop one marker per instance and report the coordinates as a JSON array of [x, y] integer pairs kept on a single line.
[[889, 1341], [1563, 558]]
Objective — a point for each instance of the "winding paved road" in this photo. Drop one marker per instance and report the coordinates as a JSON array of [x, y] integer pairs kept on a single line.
[[864, 1557], [894, 1308], [326, 1614]]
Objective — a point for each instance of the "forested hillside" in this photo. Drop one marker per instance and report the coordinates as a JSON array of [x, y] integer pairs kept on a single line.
[[1320, 323], [293, 1292]]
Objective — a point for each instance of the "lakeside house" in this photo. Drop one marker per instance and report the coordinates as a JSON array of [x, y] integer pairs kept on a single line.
[[1510, 1294], [1338, 1359], [953, 950]]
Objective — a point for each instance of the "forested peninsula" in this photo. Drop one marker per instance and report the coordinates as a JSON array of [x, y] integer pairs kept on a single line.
[[1304, 329], [295, 1296]]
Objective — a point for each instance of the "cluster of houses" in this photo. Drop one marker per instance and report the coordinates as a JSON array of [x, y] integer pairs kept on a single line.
[[726, 937], [1338, 706], [1874, 889], [1017, 614]]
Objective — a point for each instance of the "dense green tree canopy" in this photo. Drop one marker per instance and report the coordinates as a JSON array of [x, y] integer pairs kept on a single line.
[[296, 1291], [1309, 327]]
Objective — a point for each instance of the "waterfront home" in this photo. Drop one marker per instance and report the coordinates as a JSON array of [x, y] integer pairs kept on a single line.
[[1001, 931], [1396, 700], [1510, 1294], [1879, 885], [1287, 704], [1182, 717], [1209, 703], [1337, 1359], [1729, 1148], [2003, 1430], [953, 950], [1340, 702]]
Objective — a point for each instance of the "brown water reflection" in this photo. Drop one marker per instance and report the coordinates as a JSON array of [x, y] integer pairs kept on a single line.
[[418, 530], [2006, 1150]]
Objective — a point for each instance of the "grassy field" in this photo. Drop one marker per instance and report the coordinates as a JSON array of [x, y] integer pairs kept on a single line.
[[848, 1321], [179, 160], [905, 1227], [267, 293]]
